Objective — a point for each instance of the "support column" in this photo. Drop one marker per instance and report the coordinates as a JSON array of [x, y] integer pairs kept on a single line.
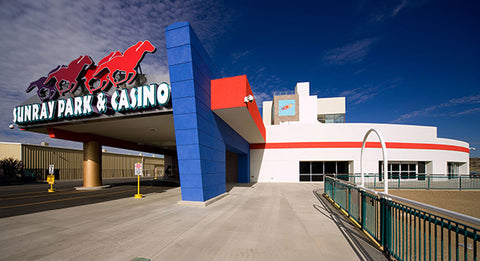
[[92, 164]]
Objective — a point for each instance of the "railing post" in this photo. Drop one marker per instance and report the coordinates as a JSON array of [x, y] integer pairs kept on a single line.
[[460, 181], [362, 209], [428, 181], [385, 228]]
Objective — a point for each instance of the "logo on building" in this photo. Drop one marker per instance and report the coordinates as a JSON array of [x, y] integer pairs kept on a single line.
[[113, 70]]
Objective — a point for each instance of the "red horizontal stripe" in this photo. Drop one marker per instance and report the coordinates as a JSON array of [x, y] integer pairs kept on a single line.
[[355, 144]]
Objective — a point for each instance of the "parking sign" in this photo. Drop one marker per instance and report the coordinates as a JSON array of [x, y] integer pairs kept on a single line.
[[51, 169], [138, 169]]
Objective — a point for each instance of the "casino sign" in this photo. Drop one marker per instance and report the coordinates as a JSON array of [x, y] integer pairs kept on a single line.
[[83, 90]]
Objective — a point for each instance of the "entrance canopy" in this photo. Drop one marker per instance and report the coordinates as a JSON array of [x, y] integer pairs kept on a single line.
[[136, 117]]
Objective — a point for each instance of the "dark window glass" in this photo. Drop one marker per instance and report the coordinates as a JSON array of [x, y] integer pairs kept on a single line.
[[330, 167], [412, 167], [304, 167], [395, 167], [304, 177], [395, 174], [421, 167], [317, 177], [317, 167], [380, 170], [342, 167], [413, 175]]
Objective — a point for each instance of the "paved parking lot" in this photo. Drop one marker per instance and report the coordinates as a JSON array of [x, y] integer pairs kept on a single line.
[[254, 222], [30, 198]]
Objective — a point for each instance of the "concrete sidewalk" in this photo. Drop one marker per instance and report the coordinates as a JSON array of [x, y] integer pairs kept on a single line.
[[256, 222]]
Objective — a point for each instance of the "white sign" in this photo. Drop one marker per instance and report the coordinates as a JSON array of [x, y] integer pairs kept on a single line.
[[51, 169], [138, 169]]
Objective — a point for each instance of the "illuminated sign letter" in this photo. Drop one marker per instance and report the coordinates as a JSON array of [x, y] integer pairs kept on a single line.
[[35, 109], [69, 107], [124, 103], [61, 108], [77, 110], [51, 109], [44, 111], [163, 94], [87, 104], [149, 95], [15, 115], [27, 113], [114, 101]]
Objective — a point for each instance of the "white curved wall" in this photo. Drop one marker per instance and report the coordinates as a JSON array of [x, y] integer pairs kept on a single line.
[[282, 164]]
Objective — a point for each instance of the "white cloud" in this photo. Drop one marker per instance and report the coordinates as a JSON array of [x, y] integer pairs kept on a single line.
[[367, 92], [466, 100], [349, 54], [39, 35]]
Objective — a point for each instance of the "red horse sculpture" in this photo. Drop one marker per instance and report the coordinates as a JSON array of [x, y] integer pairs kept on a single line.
[[126, 63], [102, 79], [69, 74]]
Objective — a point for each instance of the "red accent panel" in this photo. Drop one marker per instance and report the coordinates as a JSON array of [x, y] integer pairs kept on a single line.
[[230, 93], [355, 144]]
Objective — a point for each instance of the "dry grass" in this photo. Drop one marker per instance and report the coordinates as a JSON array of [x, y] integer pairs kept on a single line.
[[465, 202]]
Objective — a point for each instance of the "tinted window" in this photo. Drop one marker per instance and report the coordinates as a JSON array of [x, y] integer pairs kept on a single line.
[[304, 167], [317, 167]]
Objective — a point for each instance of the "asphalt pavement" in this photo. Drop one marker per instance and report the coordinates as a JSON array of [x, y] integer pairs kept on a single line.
[[260, 221], [30, 198]]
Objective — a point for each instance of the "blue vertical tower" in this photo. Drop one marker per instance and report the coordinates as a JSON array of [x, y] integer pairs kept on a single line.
[[202, 137]]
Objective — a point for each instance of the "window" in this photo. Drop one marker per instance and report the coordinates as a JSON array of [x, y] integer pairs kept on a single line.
[[331, 118], [421, 170], [453, 169], [315, 170], [401, 170]]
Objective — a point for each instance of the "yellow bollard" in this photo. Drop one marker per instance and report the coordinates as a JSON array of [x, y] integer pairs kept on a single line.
[[51, 180], [138, 195]]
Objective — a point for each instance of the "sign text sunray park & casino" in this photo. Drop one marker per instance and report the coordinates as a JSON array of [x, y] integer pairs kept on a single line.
[[96, 80]]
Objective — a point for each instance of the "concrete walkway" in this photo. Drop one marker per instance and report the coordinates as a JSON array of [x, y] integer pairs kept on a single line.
[[257, 222]]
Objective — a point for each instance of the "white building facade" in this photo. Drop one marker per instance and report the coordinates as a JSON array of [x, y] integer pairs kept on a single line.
[[307, 138]]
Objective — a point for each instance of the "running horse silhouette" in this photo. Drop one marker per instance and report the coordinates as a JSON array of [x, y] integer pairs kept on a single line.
[[103, 81], [126, 62], [44, 92], [69, 74]]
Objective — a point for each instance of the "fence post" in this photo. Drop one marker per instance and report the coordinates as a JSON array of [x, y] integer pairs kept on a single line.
[[362, 209], [385, 227], [460, 182], [428, 181]]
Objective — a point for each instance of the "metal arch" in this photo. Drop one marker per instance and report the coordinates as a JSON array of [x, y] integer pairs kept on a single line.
[[385, 161]]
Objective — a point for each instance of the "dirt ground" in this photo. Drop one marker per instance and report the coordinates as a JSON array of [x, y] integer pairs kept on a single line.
[[465, 202]]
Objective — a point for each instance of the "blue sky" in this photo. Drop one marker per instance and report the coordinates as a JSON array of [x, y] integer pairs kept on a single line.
[[396, 61]]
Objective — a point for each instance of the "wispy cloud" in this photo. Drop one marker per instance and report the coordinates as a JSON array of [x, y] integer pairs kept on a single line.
[[39, 35], [384, 10], [349, 54], [434, 109], [368, 92], [237, 56]]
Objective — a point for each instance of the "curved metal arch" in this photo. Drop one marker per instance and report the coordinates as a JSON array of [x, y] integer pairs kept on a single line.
[[384, 153]]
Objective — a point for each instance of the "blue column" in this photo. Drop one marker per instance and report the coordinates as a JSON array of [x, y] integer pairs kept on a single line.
[[201, 136]]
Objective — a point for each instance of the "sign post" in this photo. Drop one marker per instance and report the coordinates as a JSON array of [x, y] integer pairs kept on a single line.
[[51, 177], [138, 173]]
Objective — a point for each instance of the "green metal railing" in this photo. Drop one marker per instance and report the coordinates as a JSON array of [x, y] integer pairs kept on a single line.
[[427, 181], [406, 229]]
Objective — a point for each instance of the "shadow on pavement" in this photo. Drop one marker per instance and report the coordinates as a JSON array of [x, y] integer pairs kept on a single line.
[[359, 242]]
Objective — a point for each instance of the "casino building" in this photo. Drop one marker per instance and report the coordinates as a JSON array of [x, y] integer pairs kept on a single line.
[[210, 126]]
